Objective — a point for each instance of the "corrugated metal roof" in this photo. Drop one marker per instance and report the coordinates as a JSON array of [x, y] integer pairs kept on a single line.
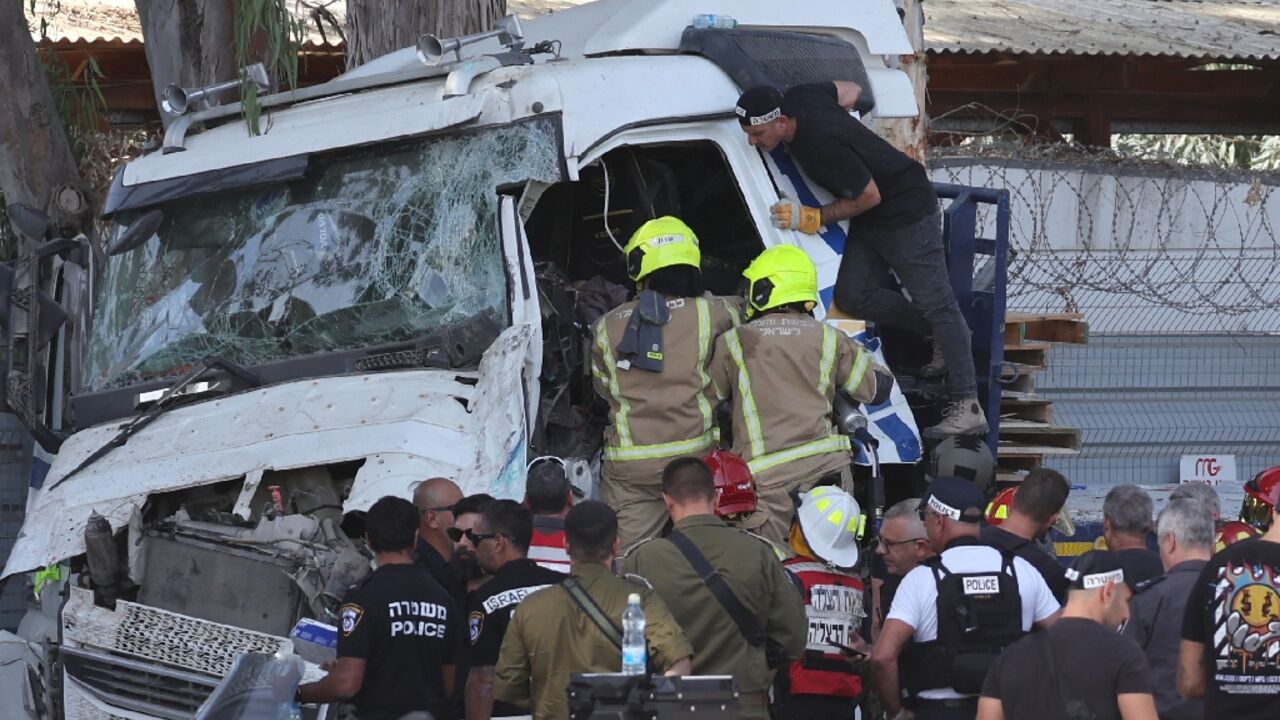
[[1242, 29]]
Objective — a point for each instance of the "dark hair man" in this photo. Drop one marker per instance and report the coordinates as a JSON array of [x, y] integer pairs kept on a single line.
[[894, 223], [398, 636], [1229, 634], [1185, 534], [960, 608], [1080, 661], [554, 635], [466, 513], [1040, 499], [1127, 514], [729, 623], [549, 495], [501, 542]]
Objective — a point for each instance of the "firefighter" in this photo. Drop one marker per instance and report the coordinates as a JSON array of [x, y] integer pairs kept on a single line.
[[649, 361], [824, 683], [1260, 499], [781, 371], [736, 496]]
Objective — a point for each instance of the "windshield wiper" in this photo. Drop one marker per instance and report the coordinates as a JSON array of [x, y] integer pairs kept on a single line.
[[160, 407]]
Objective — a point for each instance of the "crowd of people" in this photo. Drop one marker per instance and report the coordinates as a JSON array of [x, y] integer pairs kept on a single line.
[[966, 614]]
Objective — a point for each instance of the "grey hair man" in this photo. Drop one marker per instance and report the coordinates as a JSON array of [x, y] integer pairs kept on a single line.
[[1127, 514], [1202, 492], [901, 545], [1185, 534]]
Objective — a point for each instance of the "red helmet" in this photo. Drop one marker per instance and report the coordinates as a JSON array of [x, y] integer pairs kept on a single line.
[[1261, 496], [1234, 532], [735, 490], [1000, 505]]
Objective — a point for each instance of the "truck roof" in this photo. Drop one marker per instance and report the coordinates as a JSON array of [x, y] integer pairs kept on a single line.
[[620, 65]]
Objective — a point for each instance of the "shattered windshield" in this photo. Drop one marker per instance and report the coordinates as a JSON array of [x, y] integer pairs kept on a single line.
[[380, 245]]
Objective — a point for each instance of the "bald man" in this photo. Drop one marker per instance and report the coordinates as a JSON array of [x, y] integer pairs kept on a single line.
[[435, 499]]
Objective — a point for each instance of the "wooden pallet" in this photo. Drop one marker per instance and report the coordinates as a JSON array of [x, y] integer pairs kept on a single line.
[[1040, 435], [1032, 356], [1025, 407], [1053, 327]]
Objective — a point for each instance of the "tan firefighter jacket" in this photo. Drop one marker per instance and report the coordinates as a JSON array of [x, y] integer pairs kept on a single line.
[[781, 372], [657, 417]]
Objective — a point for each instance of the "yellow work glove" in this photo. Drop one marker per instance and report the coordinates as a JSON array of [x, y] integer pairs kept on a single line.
[[791, 215]]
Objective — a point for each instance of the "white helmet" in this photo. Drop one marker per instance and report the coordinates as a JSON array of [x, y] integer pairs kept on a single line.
[[831, 522]]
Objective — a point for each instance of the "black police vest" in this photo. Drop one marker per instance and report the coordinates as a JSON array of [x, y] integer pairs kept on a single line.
[[979, 614]]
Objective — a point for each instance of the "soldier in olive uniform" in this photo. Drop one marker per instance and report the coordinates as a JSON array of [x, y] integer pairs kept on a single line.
[[552, 636], [769, 613]]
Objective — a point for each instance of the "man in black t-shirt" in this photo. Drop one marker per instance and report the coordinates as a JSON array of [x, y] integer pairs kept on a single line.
[[1128, 513], [1079, 660], [1038, 503], [500, 540], [1230, 653], [399, 632], [894, 223]]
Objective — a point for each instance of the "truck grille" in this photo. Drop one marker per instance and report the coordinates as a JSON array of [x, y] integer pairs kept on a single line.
[[138, 686]]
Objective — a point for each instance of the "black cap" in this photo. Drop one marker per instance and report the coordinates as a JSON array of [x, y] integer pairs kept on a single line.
[[759, 105], [1096, 568], [956, 498]]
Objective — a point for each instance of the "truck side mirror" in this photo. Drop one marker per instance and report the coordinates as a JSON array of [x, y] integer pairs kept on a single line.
[[138, 232]]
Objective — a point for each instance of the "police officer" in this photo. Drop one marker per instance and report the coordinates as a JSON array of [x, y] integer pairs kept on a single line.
[[500, 539], [745, 607], [575, 626], [824, 683], [894, 222], [648, 360], [399, 633], [961, 608], [781, 371]]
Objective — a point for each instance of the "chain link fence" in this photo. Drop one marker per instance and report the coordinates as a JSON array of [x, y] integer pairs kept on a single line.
[[1141, 245]]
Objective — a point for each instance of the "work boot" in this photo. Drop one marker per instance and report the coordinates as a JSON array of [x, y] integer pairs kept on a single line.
[[960, 417], [937, 365]]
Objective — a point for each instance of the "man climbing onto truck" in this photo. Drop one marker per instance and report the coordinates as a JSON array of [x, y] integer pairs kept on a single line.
[[895, 223]]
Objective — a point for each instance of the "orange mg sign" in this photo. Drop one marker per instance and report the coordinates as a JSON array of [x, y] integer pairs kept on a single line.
[[1208, 469]]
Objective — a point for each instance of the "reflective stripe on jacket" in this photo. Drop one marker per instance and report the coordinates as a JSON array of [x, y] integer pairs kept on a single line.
[[655, 417]]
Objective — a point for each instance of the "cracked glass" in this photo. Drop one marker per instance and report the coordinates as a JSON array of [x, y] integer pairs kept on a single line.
[[381, 245]]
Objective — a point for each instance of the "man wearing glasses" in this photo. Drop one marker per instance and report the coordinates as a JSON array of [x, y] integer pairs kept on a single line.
[[435, 499], [500, 539], [901, 546]]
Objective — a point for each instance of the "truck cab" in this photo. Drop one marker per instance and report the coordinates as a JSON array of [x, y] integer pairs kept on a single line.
[[384, 283]]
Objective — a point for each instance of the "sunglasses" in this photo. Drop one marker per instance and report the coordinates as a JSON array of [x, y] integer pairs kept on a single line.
[[474, 538]]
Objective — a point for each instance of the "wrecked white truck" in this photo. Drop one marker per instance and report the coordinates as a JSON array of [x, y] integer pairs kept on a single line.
[[376, 289]]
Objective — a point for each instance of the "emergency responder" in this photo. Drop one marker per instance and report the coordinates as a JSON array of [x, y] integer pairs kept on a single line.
[[736, 497], [781, 371], [1019, 520], [960, 608], [501, 542], [649, 361], [399, 633], [725, 588], [1259, 499], [466, 513], [574, 626], [548, 495], [824, 683], [434, 499], [894, 223]]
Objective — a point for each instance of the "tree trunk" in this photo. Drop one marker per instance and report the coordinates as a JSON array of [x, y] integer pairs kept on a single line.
[[36, 164], [376, 27], [188, 42]]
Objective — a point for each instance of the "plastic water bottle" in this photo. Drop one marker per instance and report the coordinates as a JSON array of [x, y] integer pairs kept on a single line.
[[704, 21], [633, 644]]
